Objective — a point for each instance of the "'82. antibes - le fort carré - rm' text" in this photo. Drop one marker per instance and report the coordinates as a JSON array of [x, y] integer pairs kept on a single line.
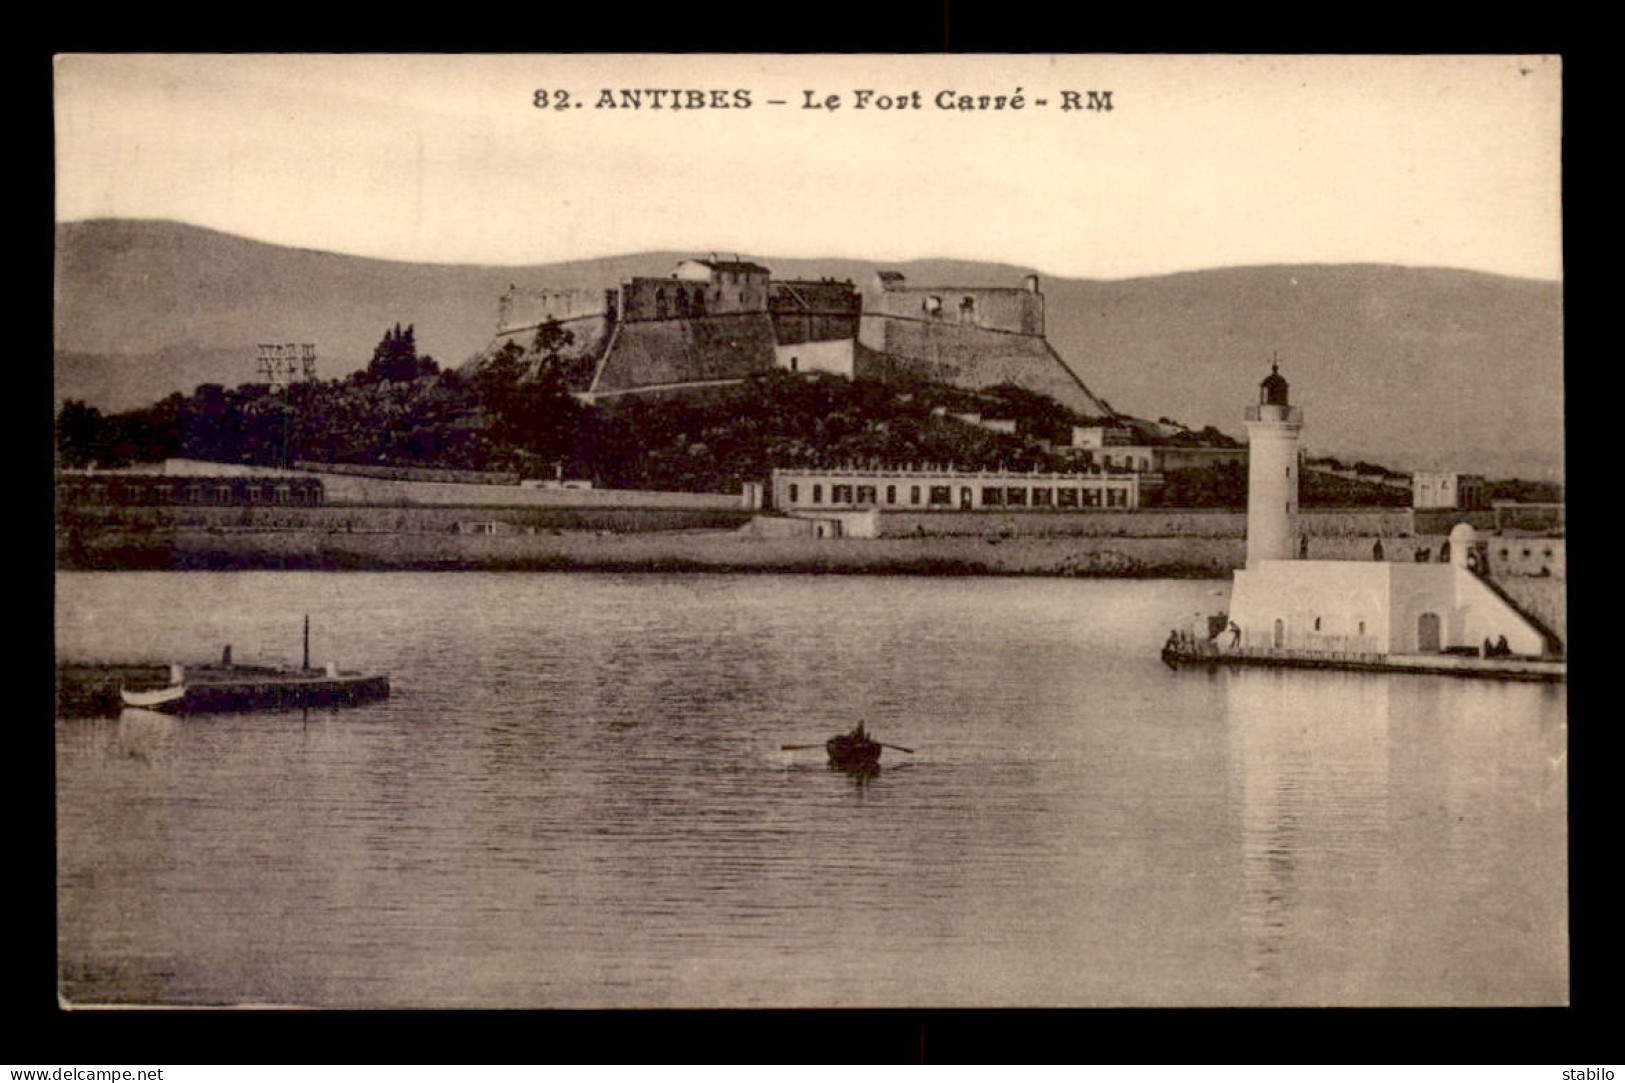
[[947, 100]]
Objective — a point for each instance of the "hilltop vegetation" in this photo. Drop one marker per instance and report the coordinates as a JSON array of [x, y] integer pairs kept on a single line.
[[514, 415]]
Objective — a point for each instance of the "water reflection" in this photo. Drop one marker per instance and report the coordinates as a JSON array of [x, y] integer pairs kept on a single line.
[[1362, 799], [1312, 755], [576, 797], [142, 733]]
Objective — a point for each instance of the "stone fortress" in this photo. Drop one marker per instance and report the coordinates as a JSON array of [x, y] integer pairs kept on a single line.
[[714, 323]]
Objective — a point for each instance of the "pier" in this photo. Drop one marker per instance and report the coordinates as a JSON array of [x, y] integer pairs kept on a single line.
[[1447, 665]]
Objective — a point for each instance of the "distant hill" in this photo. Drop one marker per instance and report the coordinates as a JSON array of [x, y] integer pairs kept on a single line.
[[1411, 368]]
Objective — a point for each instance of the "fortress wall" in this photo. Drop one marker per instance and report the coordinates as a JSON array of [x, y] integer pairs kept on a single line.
[[999, 308], [657, 352], [522, 309], [972, 358]]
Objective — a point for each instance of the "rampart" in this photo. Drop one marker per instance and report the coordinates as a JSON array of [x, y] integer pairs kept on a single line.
[[711, 322], [992, 308], [655, 353], [526, 309], [971, 357]]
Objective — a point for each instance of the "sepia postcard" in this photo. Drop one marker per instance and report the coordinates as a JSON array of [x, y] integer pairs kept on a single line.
[[815, 531]]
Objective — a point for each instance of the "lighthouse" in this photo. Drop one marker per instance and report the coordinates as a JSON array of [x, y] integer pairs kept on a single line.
[[1273, 428]]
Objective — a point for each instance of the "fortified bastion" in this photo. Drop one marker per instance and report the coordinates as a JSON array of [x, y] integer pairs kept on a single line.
[[714, 322]]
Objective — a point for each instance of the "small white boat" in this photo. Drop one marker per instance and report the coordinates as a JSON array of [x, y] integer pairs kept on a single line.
[[154, 699]]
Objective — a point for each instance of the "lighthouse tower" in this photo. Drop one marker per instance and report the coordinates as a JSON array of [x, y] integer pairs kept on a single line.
[[1273, 427]]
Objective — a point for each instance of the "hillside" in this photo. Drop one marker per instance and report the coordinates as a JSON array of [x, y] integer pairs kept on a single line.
[[1408, 367]]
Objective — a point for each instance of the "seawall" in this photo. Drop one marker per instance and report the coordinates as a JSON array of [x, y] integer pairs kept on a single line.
[[194, 548], [1149, 544]]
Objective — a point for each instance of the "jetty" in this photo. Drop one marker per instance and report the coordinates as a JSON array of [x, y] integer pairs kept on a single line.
[[1208, 656]]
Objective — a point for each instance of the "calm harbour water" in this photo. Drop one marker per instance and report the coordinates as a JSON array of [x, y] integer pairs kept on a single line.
[[576, 798]]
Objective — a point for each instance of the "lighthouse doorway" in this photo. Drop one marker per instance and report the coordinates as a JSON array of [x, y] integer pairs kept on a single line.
[[1427, 633]]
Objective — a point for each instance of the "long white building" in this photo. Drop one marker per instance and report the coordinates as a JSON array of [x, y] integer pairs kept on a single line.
[[946, 489]]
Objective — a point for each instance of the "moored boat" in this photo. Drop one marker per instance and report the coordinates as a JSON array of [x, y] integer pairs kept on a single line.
[[249, 688], [229, 687]]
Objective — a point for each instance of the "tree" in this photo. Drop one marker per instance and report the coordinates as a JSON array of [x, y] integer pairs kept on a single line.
[[396, 357], [81, 434]]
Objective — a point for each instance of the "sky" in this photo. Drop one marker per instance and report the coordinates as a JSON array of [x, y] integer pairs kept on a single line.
[[1201, 161]]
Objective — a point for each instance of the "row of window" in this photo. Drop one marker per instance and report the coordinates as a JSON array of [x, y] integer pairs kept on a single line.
[[202, 493], [992, 496], [932, 306], [1547, 553], [692, 303]]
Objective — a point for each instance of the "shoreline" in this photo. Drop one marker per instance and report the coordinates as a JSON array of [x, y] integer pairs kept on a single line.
[[720, 552]]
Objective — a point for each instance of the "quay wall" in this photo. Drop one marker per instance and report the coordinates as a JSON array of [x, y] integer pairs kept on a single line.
[[1149, 523], [186, 548], [416, 539]]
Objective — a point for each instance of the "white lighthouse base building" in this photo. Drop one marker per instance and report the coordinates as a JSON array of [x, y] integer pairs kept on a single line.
[[1373, 608], [1374, 614]]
